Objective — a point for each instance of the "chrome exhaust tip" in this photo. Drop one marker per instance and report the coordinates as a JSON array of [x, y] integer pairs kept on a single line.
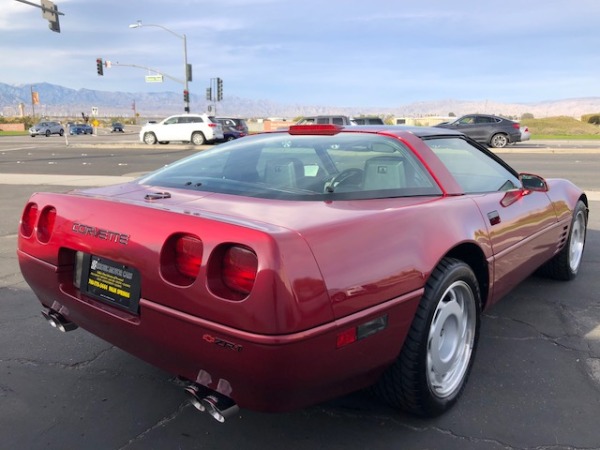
[[57, 321], [219, 406], [193, 391]]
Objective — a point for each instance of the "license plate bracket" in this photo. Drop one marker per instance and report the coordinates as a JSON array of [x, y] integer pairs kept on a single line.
[[111, 282]]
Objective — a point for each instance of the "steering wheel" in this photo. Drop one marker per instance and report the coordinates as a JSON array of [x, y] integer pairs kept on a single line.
[[348, 176]]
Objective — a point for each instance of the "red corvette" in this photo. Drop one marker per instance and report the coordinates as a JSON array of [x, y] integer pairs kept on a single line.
[[287, 268]]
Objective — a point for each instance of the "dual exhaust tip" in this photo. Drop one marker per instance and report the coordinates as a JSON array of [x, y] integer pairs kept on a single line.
[[204, 399], [217, 405], [57, 320]]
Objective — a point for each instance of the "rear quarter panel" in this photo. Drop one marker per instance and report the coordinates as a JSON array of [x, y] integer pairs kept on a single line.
[[377, 257]]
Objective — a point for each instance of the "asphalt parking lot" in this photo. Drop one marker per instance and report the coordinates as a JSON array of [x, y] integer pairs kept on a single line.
[[535, 383]]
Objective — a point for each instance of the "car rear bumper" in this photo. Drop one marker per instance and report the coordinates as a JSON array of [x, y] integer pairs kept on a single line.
[[265, 372]]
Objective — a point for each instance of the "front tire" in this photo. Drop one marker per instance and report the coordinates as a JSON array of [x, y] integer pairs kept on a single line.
[[150, 138], [61, 132], [565, 264], [499, 141], [434, 364], [48, 133], [198, 138]]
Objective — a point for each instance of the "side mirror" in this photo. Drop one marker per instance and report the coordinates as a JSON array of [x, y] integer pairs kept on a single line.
[[533, 182]]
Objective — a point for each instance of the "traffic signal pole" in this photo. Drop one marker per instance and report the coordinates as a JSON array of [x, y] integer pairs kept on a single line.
[[49, 11], [214, 94]]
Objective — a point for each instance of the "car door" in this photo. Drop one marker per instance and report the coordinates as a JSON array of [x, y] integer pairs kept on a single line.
[[473, 126], [168, 130], [522, 225], [484, 128], [466, 125], [523, 232]]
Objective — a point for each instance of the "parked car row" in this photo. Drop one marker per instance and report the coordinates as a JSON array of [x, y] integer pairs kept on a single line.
[[340, 120], [198, 129], [48, 128], [490, 130]]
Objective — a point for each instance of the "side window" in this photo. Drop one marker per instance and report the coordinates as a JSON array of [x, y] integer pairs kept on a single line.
[[322, 120], [475, 171], [337, 120], [171, 121]]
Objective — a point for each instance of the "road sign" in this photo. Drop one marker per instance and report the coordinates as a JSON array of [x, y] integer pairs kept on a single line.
[[154, 78]]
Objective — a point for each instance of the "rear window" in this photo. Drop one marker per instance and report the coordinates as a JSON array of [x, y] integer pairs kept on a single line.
[[300, 167]]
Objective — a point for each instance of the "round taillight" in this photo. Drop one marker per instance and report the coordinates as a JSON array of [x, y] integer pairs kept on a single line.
[[188, 256], [46, 224], [181, 258], [28, 219], [240, 265]]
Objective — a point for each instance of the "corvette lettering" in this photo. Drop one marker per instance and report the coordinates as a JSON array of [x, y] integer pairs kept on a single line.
[[99, 233]]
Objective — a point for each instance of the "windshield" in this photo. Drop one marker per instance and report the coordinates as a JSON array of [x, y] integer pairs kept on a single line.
[[303, 167]]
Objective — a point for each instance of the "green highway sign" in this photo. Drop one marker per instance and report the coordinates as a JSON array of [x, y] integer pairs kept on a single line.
[[154, 78]]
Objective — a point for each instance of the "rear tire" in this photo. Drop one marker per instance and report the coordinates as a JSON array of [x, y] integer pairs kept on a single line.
[[61, 132], [198, 138], [434, 364], [499, 141], [565, 264], [150, 138]]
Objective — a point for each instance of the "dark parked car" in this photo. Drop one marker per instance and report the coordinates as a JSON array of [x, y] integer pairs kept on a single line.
[[233, 122], [232, 129], [81, 128], [288, 268], [117, 127], [229, 134], [489, 130]]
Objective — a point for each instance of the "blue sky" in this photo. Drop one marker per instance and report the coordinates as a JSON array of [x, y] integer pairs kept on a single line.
[[329, 52]]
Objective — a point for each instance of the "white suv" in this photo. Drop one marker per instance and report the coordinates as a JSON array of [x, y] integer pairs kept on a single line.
[[195, 128]]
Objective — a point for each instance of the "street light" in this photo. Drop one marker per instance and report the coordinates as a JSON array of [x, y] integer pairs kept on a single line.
[[186, 68]]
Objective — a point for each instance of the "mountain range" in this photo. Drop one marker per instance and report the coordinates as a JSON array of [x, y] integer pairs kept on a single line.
[[55, 100]]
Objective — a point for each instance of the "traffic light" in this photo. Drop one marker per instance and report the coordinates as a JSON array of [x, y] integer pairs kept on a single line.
[[99, 66], [186, 96], [208, 94], [50, 12], [219, 89]]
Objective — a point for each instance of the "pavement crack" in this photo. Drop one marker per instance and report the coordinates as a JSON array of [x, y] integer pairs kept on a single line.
[[540, 335], [161, 423]]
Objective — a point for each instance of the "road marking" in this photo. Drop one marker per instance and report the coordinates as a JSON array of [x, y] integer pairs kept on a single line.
[[15, 149]]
